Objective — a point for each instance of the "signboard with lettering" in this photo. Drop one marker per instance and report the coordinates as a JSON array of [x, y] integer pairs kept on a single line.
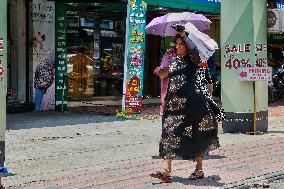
[[3, 77], [61, 54], [134, 56], [275, 38], [240, 49], [255, 74], [243, 51], [279, 4], [43, 53], [211, 6], [235, 55]]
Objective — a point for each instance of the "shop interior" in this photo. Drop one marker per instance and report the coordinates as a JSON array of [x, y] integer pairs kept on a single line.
[[95, 49]]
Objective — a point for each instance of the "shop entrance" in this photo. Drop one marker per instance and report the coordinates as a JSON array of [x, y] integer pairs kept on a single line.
[[95, 40]]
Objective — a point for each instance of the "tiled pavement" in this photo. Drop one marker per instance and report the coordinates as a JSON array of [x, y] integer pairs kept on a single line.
[[276, 109], [228, 164], [73, 156]]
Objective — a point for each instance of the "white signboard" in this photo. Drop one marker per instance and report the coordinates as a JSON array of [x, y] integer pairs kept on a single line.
[[255, 74]]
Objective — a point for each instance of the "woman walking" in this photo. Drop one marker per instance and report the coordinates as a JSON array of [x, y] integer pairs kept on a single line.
[[189, 122]]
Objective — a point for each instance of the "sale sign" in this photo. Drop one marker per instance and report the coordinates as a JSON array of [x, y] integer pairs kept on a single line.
[[244, 58]]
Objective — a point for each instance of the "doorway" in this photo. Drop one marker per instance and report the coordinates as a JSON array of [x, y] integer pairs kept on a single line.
[[95, 40]]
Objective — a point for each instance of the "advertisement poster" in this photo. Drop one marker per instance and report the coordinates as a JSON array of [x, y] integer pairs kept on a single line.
[[134, 56], [43, 54]]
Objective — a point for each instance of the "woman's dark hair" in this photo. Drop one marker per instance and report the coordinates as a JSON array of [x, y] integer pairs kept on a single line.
[[178, 36]]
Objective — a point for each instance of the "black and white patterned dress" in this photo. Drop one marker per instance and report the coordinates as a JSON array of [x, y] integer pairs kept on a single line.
[[189, 123], [44, 76]]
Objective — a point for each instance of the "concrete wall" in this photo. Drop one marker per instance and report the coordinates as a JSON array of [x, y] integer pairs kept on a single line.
[[22, 51]]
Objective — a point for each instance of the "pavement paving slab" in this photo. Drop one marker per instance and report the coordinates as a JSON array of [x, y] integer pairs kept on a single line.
[[54, 150]]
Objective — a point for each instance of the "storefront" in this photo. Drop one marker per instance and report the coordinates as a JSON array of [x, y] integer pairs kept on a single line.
[[88, 40], [94, 44]]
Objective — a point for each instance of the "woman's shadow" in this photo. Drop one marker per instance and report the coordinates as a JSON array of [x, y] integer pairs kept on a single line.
[[207, 157], [212, 181]]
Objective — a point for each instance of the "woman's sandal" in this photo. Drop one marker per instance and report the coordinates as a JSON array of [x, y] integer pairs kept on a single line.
[[162, 176], [197, 174]]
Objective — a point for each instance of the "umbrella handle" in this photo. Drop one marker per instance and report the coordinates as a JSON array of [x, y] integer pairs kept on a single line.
[[178, 27]]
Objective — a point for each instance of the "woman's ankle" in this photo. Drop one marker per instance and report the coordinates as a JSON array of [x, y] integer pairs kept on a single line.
[[166, 172], [198, 171]]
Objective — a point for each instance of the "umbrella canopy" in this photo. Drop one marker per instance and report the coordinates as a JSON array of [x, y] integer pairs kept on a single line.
[[162, 25]]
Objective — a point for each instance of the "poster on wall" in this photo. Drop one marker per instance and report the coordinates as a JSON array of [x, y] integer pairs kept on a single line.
[[134, 56], [43, 54]]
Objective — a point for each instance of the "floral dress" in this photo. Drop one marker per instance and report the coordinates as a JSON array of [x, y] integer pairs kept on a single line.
[[189, 123], [44, 76]]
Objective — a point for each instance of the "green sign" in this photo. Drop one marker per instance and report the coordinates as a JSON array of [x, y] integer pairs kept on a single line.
[[3, 77], [210, 6], [244, 44], [276, 38], [61, 57], [134, 56]]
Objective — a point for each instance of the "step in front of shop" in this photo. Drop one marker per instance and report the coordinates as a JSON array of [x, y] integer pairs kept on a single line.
[[19, 108]]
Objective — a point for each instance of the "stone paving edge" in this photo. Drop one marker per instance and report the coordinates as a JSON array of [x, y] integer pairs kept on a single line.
[[247, 183]]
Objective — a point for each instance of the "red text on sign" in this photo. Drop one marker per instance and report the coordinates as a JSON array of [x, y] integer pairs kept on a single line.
[[236, 63], [1, 44]]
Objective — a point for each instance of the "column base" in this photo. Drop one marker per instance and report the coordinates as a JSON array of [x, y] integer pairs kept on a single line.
[[243, 122], [2, 153]]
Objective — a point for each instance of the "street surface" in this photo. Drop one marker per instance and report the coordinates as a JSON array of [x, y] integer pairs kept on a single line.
[[54, 150]]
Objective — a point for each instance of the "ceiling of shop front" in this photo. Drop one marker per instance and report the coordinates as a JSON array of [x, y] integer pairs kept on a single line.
[[120, 5], [190, 5], [98, 10]]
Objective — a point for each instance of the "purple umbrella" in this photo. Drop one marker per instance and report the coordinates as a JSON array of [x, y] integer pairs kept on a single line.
[[161, 25]]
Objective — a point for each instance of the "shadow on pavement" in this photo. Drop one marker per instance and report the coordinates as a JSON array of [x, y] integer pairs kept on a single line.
[[214, 157], [279, 102], [277, 132], [205, 157], [211, 181], [54, 119]]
